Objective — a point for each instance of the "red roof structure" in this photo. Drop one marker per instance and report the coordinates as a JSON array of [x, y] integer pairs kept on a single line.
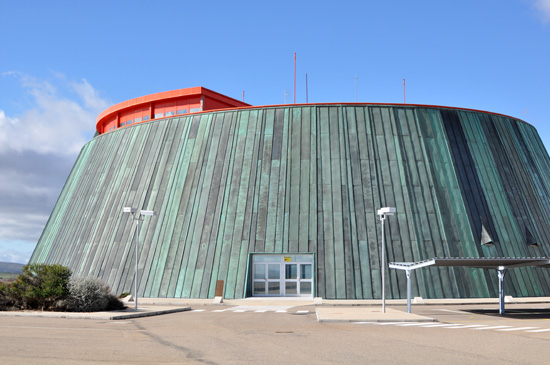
[[163, 105]]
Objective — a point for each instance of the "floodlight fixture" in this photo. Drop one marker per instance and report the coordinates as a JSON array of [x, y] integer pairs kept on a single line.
[[386, 211], [129, 210]]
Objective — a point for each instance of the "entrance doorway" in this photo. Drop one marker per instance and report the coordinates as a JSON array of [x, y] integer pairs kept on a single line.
[[282, 275]]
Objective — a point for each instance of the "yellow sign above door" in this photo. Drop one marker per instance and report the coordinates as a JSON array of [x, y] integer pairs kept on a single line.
[[287, 259]]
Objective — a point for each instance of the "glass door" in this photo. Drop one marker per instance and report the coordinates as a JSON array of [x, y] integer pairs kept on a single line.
[[306, 280], [298, 279], [267, 279]]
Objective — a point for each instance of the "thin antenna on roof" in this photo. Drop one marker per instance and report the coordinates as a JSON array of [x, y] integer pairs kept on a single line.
[[294, 77], [356, 88], [285, 95], [243, 96], [404, 91], [307, 100]]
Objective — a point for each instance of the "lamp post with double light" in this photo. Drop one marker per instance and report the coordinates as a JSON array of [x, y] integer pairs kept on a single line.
[[382, 213], [137, 218]]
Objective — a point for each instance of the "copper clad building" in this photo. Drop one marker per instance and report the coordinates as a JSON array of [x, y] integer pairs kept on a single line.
[[282, 200]]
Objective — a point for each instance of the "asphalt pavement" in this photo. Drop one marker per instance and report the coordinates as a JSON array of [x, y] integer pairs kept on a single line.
[[274, 332]]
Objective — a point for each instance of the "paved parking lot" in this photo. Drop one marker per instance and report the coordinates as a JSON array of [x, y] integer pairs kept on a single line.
[[274, 334]]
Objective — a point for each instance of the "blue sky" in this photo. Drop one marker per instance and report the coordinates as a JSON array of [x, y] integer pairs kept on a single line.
[[63, 62]]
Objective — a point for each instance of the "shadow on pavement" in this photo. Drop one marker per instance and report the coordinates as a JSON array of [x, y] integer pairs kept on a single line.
[[527, 313]]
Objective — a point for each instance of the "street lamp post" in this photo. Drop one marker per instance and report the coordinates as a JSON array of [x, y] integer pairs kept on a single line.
[[382, 213], [137, 218]]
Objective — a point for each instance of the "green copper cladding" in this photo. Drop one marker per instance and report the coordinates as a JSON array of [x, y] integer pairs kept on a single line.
[[307, 179]]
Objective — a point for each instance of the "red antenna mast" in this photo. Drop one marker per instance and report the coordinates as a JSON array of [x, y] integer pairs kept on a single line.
[[294, 77], [404, 91], [243, 96], [307, 99]]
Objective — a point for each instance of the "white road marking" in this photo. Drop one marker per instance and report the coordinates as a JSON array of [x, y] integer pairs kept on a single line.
[[469, 326], [448, 310], [386, 323], [440, 325], [411, 324], [244, 309], [458, 325], [302, 311], [517, 329], [259, 308]]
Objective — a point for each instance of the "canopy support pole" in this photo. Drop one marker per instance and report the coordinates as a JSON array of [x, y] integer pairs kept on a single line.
[[501, 274], [408, 291]]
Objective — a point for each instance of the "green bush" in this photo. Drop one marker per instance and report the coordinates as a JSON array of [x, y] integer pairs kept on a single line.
[[40, 286], [6, 298]]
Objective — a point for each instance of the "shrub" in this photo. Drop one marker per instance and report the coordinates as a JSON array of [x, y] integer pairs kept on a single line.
[[90, 295], [50, 287], [6, 298], [40, 286], [114, 303]]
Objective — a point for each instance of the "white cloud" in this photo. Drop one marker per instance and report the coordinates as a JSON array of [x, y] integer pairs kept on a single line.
[[37, 150], [20, 254], [4, 120], [89, 96], [58, 123], [543, 9]]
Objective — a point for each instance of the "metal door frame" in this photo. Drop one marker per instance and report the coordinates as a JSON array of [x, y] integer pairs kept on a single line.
[[279, 258]]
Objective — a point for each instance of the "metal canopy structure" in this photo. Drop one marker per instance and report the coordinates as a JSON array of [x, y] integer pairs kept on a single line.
[[502, 264]]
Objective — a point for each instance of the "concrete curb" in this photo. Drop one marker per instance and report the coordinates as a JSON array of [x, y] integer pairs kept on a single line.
[[111, 315], [355, 314]]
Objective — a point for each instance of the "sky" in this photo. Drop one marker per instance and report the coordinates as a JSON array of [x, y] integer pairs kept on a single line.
[[63, 62]]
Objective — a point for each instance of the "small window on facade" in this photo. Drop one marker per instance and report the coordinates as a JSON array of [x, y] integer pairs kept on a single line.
[[137, 120], [145, 117], [122, 124], [159, 115], [194, 110], [129, 122], [169, 114], [182, 111]]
